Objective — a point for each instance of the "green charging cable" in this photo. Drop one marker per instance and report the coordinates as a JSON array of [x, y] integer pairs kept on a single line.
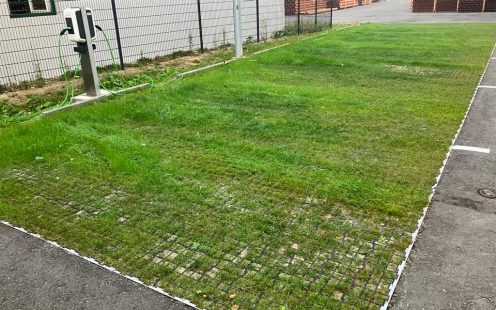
[[69, 93], [114, 64]]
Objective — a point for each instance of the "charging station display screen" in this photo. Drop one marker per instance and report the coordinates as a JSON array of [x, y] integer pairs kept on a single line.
[[74, 23]]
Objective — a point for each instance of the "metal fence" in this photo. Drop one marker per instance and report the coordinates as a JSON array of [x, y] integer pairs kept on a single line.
[[310, 15], [306, 15], [136, 30]]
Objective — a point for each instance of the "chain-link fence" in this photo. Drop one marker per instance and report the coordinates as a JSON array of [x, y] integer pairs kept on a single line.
[[136, 30]]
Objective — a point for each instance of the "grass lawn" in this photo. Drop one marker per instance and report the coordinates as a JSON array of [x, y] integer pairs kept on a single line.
[[287, 180]]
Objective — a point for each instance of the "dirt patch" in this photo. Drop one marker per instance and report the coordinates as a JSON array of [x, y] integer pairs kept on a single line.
[[409, 69], [20, 97]]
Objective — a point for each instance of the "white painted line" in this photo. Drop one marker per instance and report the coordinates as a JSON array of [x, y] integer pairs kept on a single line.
[[270, 49], [97, 263], [326, 32], [84, 100], [181, 75], [348, 27], [487, 86], [315, 36], [231, 60], [471, 149], [408, 251]]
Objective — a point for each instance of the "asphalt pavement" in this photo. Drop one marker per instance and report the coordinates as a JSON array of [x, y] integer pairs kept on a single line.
[[35, 275]]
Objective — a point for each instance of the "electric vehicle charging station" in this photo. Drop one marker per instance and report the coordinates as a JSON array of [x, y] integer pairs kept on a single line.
[[81, 29], [75, 26]]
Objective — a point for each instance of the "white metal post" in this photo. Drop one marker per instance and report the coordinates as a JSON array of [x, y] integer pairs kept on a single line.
[[238, 31]]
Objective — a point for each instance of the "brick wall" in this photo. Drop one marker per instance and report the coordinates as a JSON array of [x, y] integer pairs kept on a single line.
[[308, 6], [419, 6]]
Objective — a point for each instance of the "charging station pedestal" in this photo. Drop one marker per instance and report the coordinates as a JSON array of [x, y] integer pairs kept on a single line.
[[81, 28], [88, 62]]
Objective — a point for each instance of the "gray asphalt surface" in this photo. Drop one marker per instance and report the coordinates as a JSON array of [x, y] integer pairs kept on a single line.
[[35, 275], [390, 11], [453, 264]]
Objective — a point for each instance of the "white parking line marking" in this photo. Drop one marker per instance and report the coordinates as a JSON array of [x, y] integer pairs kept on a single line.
[[471, 149], [487, 86], [270, 49]]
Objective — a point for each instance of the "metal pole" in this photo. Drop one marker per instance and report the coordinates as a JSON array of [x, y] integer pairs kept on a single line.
[[332, 10], [258, 20], [88, 63], [118, 34], [299, 17], [238, 32], [316, 10], [200, 26]]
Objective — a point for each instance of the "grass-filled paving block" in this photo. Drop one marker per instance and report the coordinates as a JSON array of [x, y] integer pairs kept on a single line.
[[287, 180]]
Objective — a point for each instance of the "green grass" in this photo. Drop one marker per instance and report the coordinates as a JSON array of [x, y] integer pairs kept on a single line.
[[287, 180], [160, 69]]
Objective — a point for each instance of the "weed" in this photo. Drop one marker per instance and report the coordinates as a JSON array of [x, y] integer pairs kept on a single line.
[[4, 88], [39, 81], [264, 30], [190, 41]]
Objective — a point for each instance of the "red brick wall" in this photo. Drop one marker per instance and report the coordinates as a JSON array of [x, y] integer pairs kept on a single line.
[[490, 6], [308, 6], [446, 5], [454, 6], [420, 6], [470, 6]]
